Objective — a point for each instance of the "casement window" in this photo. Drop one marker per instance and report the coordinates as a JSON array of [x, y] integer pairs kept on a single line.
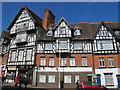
[[63, 45], [109, 79], [62, 30], [84, 61], [42, 78], [29, 54], [105, 45], [49, 33], [42, 61], [67, 79], [101, 62], [111, 61], [63, 62], [77, 45], [77, 32], [51, 79], [48, 46], [20, 55], [21, 37], [72, 61], [77, 77], [51, 61], [13, 55]]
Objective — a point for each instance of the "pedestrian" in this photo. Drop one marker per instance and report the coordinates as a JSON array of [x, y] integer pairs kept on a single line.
[[20, 80], [16, 81], [78, 83], [25, 81]]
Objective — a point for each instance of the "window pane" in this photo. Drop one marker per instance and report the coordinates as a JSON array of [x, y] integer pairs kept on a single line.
[[67, 78], [13, 55], [21, 55], [42, 78], [42, 61], [77, 45], [48, 46], [111, 61], [51, 78], [72, 61], [84, 61], [105, 44], [101, 61], [29, 54], [109, 79], [51, 61], [63, 62], [63, 45], [77, 78]]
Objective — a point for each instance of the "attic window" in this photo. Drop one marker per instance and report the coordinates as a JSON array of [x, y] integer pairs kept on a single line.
[[77, 31], [50, 33]]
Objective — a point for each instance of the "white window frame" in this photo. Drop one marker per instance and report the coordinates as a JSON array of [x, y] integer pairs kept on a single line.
[[62, 30], [77, 45], [63, 62], [13, 55], [67, 79], [72, 61], [29, 53], [42, 61], [42, 78], [101, 62], [21, 55], [48, 46], [51, 61], [77, 77], [51, 79], [109, 79], [111, 61], [63, 44], [50, 33], [84, 61], [105, 45]]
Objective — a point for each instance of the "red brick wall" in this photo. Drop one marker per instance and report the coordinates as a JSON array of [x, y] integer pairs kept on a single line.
[[78, 58], [96, 60]]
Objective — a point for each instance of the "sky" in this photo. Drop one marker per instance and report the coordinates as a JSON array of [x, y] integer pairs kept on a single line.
[[72, 11]]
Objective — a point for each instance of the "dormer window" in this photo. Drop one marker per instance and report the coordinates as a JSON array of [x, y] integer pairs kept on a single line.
[[50, 33], [77, 31]]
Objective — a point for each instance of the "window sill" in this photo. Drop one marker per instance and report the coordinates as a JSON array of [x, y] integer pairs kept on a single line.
[[102, 67], [84, 66], [112, 67], [72, 66], [109, 85]]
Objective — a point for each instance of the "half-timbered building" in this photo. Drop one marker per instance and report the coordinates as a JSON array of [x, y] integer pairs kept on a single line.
[[57, 55], [23, 32]]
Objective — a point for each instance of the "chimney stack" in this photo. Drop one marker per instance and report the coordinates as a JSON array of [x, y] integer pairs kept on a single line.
[[48, 18]]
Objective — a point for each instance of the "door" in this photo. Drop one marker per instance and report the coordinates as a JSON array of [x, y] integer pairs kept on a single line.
[[118, 82]]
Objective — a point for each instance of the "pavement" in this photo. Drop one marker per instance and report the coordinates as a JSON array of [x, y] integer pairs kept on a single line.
[[7, 86]]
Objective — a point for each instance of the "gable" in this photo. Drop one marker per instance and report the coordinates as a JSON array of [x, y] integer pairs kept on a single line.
[[62, 29], [104, 32], [24, 22]]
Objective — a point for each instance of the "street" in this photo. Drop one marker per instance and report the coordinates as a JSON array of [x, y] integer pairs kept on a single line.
[[29, 87]]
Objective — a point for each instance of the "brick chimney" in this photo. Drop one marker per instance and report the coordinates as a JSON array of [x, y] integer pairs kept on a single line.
[[48, 18]]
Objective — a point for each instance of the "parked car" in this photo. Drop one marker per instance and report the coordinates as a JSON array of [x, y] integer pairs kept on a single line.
[[91, 86]]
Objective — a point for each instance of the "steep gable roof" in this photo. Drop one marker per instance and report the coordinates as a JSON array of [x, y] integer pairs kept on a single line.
[[36, 19], [108, 28]]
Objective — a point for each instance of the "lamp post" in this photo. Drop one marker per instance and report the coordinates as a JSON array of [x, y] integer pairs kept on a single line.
[[59, 67]]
